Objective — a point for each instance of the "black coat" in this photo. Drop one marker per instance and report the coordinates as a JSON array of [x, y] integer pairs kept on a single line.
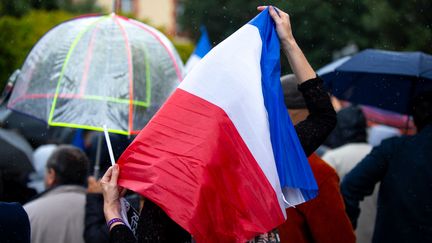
[[14, 223], [404, 167]]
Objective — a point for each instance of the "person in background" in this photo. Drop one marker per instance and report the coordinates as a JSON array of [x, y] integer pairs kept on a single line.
[[378, 133], [95, 229], [309, 222], [40, 158], [348, 129], [13, 186], [154, 224], [353, 145], [403, 166], [352, 127], [57, 215], [14, 223]]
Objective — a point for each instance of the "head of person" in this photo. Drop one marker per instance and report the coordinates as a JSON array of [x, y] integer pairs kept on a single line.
[[351, 126], [40, 158], [294, 100], [422, 110], [68, 165]]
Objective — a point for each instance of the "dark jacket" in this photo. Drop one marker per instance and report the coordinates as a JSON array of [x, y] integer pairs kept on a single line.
[[404, 167], [14, 223], [156, 226], [96, 230]]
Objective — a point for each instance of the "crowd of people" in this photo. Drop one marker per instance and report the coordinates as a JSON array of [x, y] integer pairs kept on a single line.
[[368, 191]]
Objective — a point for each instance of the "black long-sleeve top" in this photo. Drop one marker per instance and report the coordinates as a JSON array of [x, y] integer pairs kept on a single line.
[[156, 226]]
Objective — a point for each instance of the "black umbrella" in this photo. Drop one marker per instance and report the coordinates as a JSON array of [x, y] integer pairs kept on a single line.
[[34, 131], [16, 152], [383, 79]]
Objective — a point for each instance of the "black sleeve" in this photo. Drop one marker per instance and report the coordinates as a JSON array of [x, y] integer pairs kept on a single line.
[[322, 117], [121, 234], [95, 230], [153, 226]]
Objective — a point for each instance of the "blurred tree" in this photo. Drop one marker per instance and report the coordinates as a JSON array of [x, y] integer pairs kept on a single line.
[[83, 6], [21, 27], [184, 49], [399, 25], [45, 4], [18, 8], [309, 17], [324, 27], [18, 35], [14, 8]]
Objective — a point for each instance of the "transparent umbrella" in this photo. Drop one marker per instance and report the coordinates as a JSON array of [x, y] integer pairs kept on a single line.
[[98, 70]]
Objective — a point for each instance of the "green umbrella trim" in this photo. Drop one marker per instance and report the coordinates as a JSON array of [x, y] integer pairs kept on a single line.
[[94, 128], [66, 61], [115, 100], [145, 103]]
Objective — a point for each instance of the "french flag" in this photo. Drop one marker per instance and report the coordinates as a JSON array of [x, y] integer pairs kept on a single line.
[[202, 48], [221, 157]]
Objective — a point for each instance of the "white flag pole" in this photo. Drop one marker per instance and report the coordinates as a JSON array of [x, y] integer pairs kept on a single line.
[[108, 142]]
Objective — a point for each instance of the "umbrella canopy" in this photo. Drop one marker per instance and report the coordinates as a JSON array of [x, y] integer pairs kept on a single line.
[[16, 152], [34, 131], [98, 70], [383, 79]]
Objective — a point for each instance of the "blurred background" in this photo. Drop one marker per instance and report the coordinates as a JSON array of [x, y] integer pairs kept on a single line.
[[326, 30]]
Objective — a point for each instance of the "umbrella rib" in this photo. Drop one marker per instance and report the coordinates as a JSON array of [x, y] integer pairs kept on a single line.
[[170, 54], [65, 63], [129, 55], [88, 59], [88, 127], [148, 76]]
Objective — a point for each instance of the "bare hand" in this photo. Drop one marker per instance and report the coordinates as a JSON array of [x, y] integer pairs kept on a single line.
[[298, 62], [94, 186], [111, 193], [282, 21]]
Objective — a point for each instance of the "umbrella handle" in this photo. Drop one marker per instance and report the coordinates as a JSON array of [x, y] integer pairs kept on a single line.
[[98, 153], [108, 142]]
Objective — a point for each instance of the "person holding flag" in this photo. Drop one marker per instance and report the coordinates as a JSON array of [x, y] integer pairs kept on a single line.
[[237, 184]]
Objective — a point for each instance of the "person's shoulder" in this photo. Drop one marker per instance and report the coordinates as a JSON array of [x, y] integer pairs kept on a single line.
[[322, 170], [346, 151], [394, 142], [10, 208], [34, 206]]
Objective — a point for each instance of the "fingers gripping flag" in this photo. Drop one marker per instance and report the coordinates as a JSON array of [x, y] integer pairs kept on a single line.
[[221, 156]]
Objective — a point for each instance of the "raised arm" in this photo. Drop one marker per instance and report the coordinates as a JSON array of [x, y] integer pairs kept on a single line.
[[361, 180], [313, 131], [298, 62]]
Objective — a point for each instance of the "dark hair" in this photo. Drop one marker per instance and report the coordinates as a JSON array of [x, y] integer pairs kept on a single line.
[[422, 109], [350, 128], [70, 165]]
